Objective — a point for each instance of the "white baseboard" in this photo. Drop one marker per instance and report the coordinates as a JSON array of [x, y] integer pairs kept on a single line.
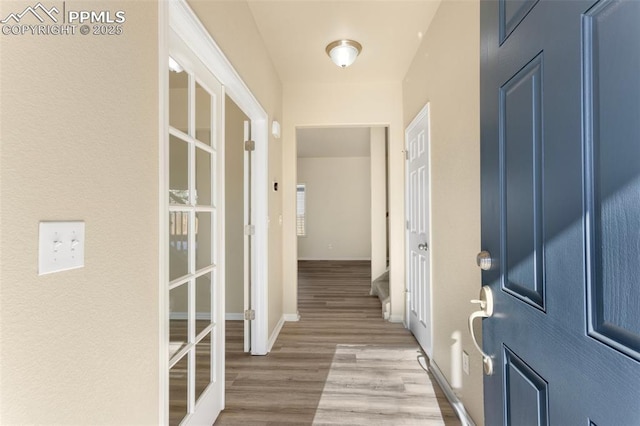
[[334, 258], [275, 334], [396, 318], [291, 317], [457, 405], [234, 316]]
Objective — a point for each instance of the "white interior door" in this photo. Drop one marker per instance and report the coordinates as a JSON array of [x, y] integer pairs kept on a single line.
[[195, 282], [417, 215]]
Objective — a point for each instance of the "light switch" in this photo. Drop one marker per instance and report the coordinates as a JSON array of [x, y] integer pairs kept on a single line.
[[61, 246]]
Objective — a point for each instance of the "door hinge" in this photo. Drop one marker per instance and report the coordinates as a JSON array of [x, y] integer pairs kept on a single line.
[[249, 229], [249, 145], [249, 315], [406, 155], [407, 225]]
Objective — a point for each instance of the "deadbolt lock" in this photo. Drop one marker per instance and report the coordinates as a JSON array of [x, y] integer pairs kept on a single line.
[[484, 260]]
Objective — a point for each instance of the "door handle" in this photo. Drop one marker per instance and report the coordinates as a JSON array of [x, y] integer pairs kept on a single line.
[[486, 310], [424, 247]]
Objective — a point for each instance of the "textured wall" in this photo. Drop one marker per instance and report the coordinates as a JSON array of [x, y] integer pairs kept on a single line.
[[79, 140], [445, 73], [338, 208]]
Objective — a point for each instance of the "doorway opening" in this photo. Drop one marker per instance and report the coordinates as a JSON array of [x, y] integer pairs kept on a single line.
[[341, 195]]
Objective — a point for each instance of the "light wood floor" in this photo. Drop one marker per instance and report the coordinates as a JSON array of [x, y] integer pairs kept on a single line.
[[341, 364]]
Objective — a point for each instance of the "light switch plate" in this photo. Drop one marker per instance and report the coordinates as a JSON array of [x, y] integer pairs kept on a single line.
[[61, 246]]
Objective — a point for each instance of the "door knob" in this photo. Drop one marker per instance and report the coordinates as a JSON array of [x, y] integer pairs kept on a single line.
[[483, 259], [486, 310], [424, 247]]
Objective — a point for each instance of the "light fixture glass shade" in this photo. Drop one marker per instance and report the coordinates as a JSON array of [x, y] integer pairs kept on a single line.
[[344, 52]]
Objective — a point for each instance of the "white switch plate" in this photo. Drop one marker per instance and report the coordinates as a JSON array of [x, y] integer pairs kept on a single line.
[[465, 362], [61, 246]]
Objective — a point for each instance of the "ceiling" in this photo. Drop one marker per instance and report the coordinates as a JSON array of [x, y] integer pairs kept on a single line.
[[296, 33], [333, 142]]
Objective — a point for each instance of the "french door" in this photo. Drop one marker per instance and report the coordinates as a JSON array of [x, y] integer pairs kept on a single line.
[[560, 145], [196, 276]]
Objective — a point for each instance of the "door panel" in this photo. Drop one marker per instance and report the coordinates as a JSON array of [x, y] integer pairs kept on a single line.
[[521, 183], [512, 12], [612, 36], [527, 390], [560, 155], [418, 255]]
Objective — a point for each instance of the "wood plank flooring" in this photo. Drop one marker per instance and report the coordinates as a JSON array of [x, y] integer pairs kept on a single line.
[[341, 364]]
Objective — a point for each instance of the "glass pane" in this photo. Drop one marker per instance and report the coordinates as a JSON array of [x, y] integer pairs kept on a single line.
[[203, 115], [203, 178], [178, 324], [178, 391], [203, 240], [179, 100], [178, 171], [203, 302], [203, 365], [178, 244]]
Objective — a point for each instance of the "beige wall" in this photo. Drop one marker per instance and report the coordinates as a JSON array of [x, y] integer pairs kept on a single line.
[[378, 202], [445, 72], [234, 207], [231, 25], [338, 208], [79, 141], [317, 105]]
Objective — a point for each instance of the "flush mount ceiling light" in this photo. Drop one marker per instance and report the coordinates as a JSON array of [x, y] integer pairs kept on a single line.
[[343, 52]]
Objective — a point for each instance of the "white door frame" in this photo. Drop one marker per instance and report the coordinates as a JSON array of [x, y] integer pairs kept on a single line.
[[422, 115], [177, 15]]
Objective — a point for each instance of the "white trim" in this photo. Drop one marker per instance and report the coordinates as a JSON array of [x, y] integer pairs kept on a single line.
[[163, 215], [181, 316], [234, 316], [246, 240], [335, 258], [457, 405], [276, 332], [260, 246], [191, 30], [291, 317], [396, 318]]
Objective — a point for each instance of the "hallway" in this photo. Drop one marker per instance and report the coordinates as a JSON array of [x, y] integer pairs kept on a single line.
[[340, 364]]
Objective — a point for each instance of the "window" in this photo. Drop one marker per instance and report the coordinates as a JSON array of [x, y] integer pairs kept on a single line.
[[300, 207]]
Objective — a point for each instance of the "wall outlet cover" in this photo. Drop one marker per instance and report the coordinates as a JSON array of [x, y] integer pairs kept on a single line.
[[465, 362]]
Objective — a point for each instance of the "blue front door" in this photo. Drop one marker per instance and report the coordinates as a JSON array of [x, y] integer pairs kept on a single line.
[[560, 146]]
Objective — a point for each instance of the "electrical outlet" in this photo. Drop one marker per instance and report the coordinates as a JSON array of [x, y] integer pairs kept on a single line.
[[330, 246], [465, 362]]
